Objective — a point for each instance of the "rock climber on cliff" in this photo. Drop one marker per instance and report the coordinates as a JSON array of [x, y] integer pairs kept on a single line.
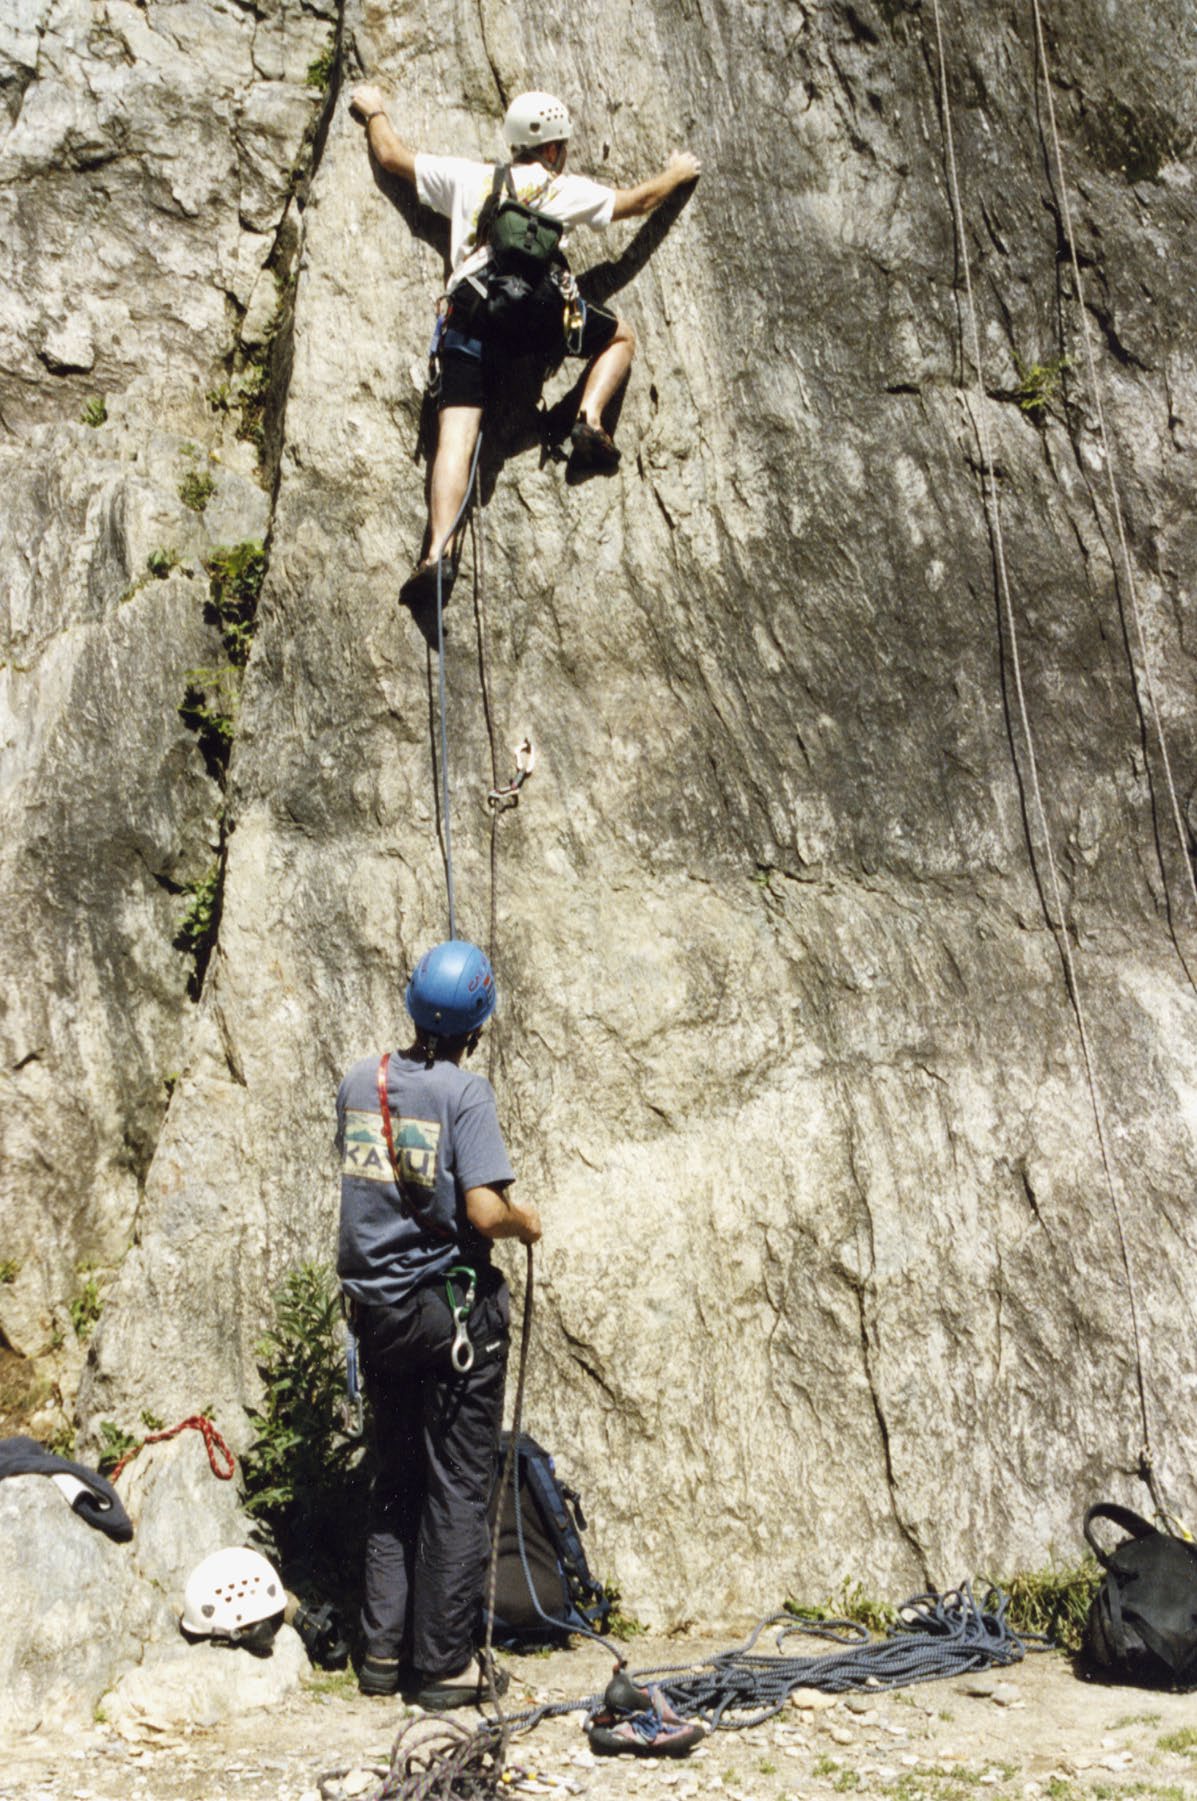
[[510, 289], [425, 1190]]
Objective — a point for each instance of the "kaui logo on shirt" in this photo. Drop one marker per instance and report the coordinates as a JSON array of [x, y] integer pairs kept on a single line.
[[416, 1142]]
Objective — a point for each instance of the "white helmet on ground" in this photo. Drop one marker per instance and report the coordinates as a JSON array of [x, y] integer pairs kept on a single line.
[[233, 1595], [535, 119]]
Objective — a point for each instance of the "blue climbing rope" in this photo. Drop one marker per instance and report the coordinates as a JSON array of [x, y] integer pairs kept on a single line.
[[936, 1636], [446, 822]]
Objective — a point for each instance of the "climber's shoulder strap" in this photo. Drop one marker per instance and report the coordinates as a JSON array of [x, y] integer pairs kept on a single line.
[[490, 206]]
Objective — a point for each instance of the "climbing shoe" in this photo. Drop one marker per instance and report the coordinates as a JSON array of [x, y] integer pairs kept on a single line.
[[419, 590], [636, 1722], [593, 448], [440, 1694], [383, 1676]]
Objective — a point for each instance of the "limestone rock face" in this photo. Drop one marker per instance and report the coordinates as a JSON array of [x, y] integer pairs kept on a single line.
[[149, 154], [201, 1684], [75, 1613], [831, 1282]]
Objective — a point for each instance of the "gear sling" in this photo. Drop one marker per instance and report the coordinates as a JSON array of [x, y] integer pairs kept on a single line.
[[526, 294]]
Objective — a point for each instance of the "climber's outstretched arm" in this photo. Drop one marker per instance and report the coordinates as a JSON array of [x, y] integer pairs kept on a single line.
[[633, 203], [386, 146]]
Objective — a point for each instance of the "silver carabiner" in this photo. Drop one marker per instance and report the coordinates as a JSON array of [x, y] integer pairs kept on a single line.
[[461, 1354]]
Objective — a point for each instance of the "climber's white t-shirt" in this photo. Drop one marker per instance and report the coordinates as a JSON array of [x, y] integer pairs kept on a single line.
[[456, 187]]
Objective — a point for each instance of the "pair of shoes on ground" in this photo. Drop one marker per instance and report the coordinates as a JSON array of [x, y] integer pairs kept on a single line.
[[593, 448], [419, 590], [640, 1723], [435, 1694]]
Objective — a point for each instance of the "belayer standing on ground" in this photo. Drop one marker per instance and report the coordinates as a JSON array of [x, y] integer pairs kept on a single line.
[[514, 300], [425, 1190]]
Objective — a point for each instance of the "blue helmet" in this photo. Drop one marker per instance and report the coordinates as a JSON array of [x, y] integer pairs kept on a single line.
[[452, 990]]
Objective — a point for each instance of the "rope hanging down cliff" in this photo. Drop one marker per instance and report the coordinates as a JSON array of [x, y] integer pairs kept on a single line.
[[1057, 912], [1144, 682], [446, 819]]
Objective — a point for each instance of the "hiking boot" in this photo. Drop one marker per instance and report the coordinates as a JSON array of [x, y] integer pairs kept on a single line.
[[441, 1694], [383, 1675], [593, 448]]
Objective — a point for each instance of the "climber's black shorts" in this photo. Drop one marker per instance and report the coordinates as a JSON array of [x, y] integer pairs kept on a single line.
[[467, 356]]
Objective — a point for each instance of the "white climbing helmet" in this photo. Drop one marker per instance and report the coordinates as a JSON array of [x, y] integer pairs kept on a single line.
[[230, 1593], [535, 119]]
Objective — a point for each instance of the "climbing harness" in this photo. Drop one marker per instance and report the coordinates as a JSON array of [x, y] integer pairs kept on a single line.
[[508, 794], [1057, 912], [213, 1443], [461, 1354]]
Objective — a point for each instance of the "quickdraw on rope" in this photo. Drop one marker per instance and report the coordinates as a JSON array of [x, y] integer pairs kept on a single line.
[[213, 1443], [508, 793]]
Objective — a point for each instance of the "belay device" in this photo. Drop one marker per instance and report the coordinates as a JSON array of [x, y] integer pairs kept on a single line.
[[544, 1589]]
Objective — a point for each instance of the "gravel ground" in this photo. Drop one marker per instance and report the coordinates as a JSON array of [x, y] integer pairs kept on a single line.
[[1035, 1730]]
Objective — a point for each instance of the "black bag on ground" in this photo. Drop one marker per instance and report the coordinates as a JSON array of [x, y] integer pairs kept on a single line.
[[1142, 1624], [552, 1572]]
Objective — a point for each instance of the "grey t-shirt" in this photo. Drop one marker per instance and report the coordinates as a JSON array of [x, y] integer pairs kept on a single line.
[[447, 1139]]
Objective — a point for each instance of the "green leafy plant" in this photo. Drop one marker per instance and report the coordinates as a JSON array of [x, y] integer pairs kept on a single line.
[[320, 71], [197, 928], [87, 1306], [236, 574], [95, 413], [62, 1443], [114, 1445], [1038, 385], [1053, 1603], [221, 398], [620, 1625], [150, 1421], [303, 1477], [251, 395], [10, 1269], [851, 1603], [196, 489], [209, 709], [161, 562]]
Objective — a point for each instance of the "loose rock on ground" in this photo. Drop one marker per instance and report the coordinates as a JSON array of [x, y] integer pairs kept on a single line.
[[1057, 1737]]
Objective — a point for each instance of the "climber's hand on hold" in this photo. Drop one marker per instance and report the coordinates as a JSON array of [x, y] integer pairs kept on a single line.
[[367, 99], [684, 166]]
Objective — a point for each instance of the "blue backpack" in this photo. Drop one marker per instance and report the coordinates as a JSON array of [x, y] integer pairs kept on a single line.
[[544, 1589]]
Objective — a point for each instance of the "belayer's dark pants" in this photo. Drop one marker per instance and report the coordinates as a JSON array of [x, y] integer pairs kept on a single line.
[[436, 1434]]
